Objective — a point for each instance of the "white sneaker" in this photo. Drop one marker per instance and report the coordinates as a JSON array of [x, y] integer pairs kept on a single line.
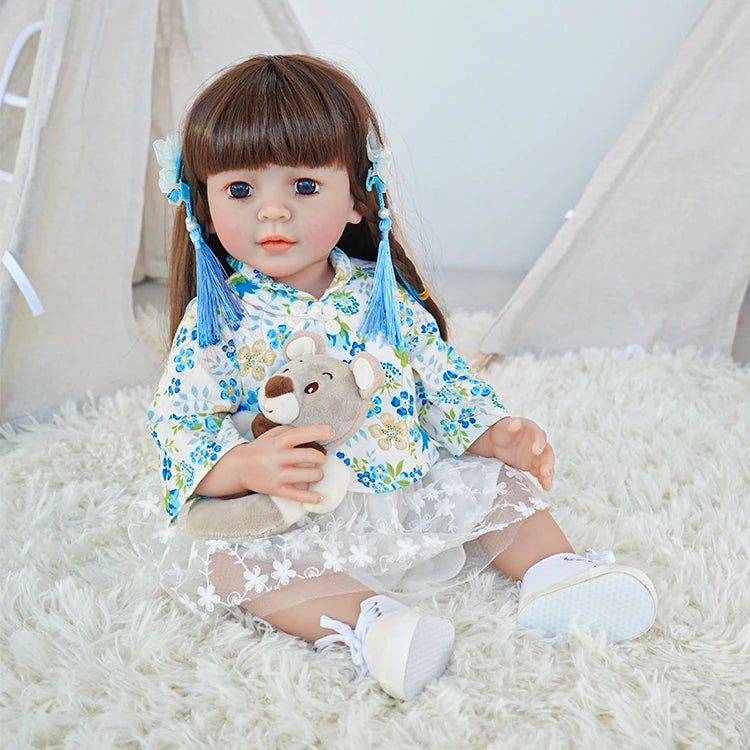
[[592, 591], [402, 648]]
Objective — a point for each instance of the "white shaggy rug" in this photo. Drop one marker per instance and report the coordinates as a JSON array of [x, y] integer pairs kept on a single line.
[[652, 463]]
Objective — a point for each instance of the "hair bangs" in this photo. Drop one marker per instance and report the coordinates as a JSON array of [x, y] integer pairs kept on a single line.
[[273, 112]]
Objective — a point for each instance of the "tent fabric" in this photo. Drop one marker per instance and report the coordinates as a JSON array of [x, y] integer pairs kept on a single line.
[[194, 42], [658, 248], [11, 118], [107, 79]]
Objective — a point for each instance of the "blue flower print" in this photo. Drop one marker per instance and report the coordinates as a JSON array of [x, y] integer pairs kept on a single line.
[[356, 347], [347, 304], [449, 395], [166, 467], [172, 502], [429, 328], [450, 424], [466, 418], [242, 285], [420, 436], [174, 386], [421, 393], [411, 341], [481, 389], [229, 390], [391, 371], [364, 479], [184, 359], [407, 314], [191, 421], [404, 404], [346, 459], [376, 407], [458, 362], [229, 349], [277, 336], [205, 455], [187, 474], [181, 336]]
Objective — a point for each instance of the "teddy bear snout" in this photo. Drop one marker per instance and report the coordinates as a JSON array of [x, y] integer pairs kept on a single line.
[[277, 400], [278, 385]]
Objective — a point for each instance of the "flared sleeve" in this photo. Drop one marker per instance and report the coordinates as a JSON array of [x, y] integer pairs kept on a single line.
[[455, 406], [191, 415]]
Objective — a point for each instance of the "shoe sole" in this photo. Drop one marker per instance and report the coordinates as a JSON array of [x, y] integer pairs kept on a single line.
[[429, 651], [621, 603]]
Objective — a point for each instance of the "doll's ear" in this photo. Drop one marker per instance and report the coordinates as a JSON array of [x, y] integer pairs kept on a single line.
[[354, 216], [368, 374], [303, 343]]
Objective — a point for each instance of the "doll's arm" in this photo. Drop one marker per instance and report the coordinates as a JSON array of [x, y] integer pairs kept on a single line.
[[520, 443], [270, 464]]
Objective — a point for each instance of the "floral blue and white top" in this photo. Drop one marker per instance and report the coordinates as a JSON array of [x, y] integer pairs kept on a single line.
[[430, 398]]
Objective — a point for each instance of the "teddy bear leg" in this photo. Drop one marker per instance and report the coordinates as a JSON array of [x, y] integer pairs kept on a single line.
[[235, 519], [332, 487]]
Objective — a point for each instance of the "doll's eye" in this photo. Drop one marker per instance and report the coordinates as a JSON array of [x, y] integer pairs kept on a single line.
[[311, 388], [239, 190], [306, 186]]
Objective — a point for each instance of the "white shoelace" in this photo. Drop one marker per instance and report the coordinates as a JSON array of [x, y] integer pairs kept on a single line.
[[604, 557], [353, 638]]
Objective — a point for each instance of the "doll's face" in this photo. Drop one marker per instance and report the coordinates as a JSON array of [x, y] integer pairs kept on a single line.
[[282, 221]]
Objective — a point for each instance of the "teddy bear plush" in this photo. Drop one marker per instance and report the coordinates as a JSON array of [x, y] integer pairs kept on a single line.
[[312, 388]]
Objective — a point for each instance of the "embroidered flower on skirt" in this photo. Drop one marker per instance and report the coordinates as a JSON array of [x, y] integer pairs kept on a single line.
[[408, 542]]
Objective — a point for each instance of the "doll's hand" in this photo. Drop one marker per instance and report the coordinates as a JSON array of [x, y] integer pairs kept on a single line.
[[279, 463], [522, 444], [271, 464]]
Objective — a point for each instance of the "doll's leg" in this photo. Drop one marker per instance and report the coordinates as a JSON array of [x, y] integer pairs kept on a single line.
[[297, 608], [537, 538], [402, 648], [558, 587]]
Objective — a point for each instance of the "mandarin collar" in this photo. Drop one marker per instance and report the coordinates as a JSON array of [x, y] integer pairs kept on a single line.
[[249, 281]]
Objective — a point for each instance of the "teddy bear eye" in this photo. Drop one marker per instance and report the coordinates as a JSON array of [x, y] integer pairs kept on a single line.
[[311, 388]]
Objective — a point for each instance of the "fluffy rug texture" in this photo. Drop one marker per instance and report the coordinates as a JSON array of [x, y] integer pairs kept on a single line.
[[652, 463]]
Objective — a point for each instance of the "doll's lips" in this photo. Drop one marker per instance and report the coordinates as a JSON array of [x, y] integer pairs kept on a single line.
[[276, 243]]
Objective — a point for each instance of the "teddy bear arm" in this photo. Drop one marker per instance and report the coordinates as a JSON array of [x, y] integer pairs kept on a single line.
[[261, 424]]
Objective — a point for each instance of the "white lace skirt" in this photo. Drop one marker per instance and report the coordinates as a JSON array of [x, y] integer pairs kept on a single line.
[[407, 543]]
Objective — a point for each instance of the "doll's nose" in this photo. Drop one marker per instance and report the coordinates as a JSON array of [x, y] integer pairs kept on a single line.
[[273, 211]]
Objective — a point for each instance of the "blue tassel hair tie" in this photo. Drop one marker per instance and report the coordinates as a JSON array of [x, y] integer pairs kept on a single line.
[[382, 317], [217, 305]]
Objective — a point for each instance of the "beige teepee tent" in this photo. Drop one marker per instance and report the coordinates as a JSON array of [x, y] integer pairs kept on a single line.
[[658, 247], [81, 214]]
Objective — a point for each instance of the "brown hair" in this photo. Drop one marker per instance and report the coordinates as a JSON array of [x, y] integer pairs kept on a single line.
[[286, 110]]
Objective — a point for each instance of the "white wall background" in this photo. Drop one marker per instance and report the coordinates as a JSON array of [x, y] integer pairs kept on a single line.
[[498, 111]]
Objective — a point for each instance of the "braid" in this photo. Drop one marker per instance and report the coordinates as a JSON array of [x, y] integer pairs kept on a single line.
[[409, 271], [369, 231]]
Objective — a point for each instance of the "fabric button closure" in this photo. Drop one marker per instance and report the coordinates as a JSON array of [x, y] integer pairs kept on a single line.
[[332, 327], [298, 308]]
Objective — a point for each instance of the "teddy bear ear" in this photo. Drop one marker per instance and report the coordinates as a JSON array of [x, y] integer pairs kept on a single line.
[[303, 343], [368, 374]]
